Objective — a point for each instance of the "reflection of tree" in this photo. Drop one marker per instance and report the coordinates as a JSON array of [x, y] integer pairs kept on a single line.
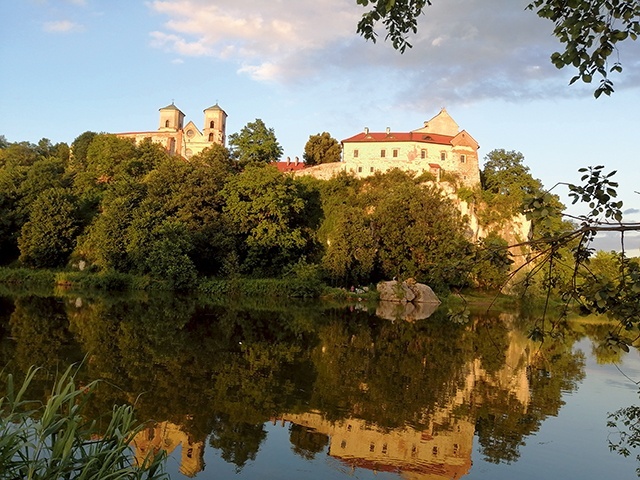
[[306, 442], [503, 422], [238, 442], [39, 328], [388, 373], [224, 371], [501, 425]]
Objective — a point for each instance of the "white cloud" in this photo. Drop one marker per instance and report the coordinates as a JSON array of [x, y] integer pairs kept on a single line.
[[62, 26], [464, 51]]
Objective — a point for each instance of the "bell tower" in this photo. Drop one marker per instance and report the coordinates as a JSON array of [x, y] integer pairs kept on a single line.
[[215, 125], [171, 118]]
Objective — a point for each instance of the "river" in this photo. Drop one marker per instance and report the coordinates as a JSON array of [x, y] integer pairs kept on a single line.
[[262, 390]]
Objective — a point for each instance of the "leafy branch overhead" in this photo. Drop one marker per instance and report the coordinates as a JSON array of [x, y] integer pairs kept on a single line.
[[589, 30]]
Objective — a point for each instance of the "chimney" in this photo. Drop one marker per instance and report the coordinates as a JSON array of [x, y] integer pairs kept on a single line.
[[388, 130], [366, 130], [297, 160], [288, 160]]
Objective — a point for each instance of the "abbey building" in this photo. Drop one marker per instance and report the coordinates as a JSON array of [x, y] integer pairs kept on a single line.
[[439, 147], [185, 140]]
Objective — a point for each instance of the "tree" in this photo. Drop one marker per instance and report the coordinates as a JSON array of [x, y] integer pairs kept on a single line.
[[48, 237], [588, 29], [255, 143], [321, 148], [505, 173], [79, 149], [267, 212]]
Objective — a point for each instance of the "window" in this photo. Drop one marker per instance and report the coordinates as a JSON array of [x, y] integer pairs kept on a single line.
[[434, 450], [372, 447], [383, 153], [384, 448], [355, 154], [395, 153], [212, 124], [166, 123], [371, 169], [359, 169], [463, 158], [211, 137], [443, 156], [343, 444], [423, 153]]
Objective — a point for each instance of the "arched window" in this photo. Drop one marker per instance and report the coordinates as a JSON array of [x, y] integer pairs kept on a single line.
[[166, 123], [212, 124], [211, 137]]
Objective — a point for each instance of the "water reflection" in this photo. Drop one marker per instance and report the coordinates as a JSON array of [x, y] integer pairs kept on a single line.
[[405, 397]]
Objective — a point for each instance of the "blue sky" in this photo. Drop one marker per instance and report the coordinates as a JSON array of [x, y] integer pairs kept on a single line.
[[74, 65]]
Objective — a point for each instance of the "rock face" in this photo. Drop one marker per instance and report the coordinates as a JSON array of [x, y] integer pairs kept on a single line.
[[407, 291]]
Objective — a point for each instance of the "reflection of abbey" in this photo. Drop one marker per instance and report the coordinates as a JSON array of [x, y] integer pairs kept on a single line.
[[440, 448], [185, 140]]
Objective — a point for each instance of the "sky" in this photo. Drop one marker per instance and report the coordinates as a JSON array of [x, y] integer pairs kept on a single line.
[[69, 66]]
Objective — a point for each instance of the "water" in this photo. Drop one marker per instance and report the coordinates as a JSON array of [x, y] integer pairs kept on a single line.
[[310, 390]]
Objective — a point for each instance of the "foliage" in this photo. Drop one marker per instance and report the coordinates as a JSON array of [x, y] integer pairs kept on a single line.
[[79, 149], [27, 276], [389, 226], [267, 212], [49, 235], [321, 148], [588, 29], [255, 143], [493, 262], [56, 440]]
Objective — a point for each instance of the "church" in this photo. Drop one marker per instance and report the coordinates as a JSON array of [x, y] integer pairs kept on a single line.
[[185, 140]]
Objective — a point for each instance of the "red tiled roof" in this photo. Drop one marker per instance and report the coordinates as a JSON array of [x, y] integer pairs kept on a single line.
[[289, 166], [400, 137]]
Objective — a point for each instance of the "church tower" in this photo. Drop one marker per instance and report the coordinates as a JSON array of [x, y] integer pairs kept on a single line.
[[215, 124], [171, 118]]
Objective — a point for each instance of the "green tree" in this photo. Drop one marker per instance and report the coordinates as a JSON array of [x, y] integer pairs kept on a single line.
[[420, 233], [108, 158], [321, 148], [79, 149], [505, 173], [589, 30], [105, 240], [266, 210], [48, 237], [255, 143]]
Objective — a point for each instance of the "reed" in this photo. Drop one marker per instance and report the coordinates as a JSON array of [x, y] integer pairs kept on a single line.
[[54, 440]]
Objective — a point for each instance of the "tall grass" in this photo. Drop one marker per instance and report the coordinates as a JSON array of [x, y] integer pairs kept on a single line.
[[54, 441]]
